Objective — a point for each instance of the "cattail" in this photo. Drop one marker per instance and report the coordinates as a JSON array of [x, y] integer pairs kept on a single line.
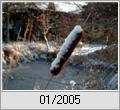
[[66, 50]]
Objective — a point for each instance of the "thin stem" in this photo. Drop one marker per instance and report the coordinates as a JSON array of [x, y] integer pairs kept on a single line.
[[49, 80]]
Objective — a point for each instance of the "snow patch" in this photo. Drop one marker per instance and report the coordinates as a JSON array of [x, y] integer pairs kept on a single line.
[[87, 49]]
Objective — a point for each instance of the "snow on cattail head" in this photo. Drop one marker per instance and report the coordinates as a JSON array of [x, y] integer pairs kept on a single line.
[[77, 29], [66, 50]]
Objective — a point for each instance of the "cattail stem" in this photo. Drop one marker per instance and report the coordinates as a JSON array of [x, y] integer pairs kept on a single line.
[[49, 80]]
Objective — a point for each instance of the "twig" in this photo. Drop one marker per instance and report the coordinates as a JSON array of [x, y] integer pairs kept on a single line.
[[86, 19], [49, 80]]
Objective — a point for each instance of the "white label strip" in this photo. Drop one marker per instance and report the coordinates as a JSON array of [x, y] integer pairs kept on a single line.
[[61, 100]]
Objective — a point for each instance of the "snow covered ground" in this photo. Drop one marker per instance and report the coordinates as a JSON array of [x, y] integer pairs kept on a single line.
[[33, 70], [87, 49], [28, 52]]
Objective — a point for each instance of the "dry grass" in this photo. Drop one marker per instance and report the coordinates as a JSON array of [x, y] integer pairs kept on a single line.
[[110, 54]]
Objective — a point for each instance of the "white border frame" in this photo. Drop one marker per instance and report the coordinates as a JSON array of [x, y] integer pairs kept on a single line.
[[60, 90]]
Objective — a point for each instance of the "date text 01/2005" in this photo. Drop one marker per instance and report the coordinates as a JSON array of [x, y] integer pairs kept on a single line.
[[60, 99]]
